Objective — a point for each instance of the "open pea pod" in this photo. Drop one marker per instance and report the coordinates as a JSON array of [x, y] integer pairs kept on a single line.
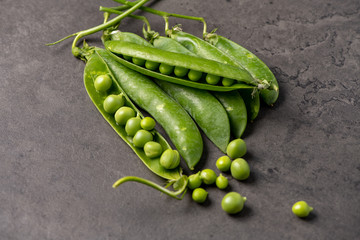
[[242, 78], [95, 67]]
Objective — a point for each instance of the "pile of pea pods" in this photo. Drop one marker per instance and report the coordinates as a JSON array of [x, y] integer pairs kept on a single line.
[[183, 82]]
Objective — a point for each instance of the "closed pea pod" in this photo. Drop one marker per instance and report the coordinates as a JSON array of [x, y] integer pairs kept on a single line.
[[169, 114], [204, 108]]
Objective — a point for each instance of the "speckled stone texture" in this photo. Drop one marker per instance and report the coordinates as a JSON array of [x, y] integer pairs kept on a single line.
[[59, 158]]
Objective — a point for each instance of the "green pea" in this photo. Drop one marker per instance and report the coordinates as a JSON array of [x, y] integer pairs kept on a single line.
[[301, 209], [138, 61], [132, 126], [113, 103], [208, 176], [240, 169], [212, 79], [194, 75], [222, 182], [102, 83], [199, 195], [194, 181], [123, 114], [166, 69], [148, 123], [233, 203], [180, 71], [170, 159], [223, 163], [152, 149], [236, 148], [152, 65], [141, 137], [227, 82], [127, 58]]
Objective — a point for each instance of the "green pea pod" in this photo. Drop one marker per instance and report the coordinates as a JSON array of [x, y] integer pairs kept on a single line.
[[250, 62], [96, 66], [236, 110], [181, 60], [204, 108], [125, 37], [181, 129], [252, 102], [208, 51]]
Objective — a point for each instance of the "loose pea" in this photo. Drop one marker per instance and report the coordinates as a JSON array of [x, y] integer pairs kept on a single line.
[[123, 114], [199, 195], [222, 182], [233, 203], [127, 58], [141, 137], [170, 159], [152, 65], [301, 209], [208, 176], [236, 148], [113, 103], [152, 149], [240, 169], [166, 69], [223, 163], [227, 82], [132, 126], [138, 61], [212, 79], [194, 181], [194, 75], [102, 83], [148, 123], [180, 71]]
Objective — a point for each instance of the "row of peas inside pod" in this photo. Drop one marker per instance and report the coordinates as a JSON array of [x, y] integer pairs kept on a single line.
[[232, 202], [135, 127]]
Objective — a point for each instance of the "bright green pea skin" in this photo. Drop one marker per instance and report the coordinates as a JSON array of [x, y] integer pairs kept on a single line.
[[236, 148], [223, 163], [113, 102], [194, 75], [170, 159], [301, 209], [152, 65], [240, 169], [199, 195], [208, 176], [233, 203], [222, 182], [194, 181], [180, 71], [102, 83], [132, 126], [127, 58], [227, 82], [212, 79], [153, 149], [141, 138], [148, 123], [166, 69], [138, 61], [123, 114]]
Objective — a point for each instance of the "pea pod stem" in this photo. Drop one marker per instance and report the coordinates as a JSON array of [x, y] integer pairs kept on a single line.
[[111, 10], [165, 14], [153, 185]]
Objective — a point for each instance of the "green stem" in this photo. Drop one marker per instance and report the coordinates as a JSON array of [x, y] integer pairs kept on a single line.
[[103, 26], [165, 14], [111, 10], [153, 185]]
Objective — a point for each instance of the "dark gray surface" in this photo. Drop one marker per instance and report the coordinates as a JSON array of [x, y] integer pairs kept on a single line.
[[59, 157]]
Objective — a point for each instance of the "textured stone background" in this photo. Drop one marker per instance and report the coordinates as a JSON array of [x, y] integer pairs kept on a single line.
[[59, 158]]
